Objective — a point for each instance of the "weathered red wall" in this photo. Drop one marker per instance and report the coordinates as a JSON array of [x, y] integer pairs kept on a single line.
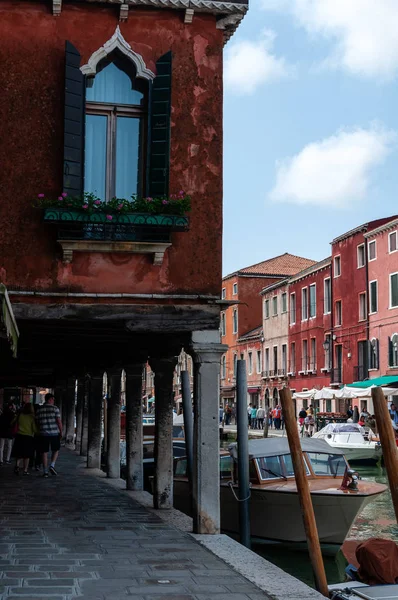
[[31, 145]]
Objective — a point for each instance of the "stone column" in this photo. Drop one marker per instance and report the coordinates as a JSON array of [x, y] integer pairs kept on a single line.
[[81, 391], [134, 428], [206, 352], [113, 422], [164, 403], [84, 438], [59, 399], [70, 410], [94, 421]]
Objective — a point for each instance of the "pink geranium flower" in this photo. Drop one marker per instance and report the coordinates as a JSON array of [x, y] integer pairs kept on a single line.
[[85, 206], [182, 193], [149, 199], [120, 206], [40, 195], [60, 197], [97, 202], [64, 194], [109, 217], [165, 201]]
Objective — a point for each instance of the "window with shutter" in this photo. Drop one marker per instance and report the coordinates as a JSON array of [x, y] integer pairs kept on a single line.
[[116, 102], [393, 350]]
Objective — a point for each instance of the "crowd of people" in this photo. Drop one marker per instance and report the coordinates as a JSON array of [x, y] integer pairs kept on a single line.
[[28, 434]]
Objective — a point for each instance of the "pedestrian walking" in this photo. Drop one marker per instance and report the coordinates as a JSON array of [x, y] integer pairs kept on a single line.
[[270, 417], [254, 417], [6, 433], [249, 415], [277, 416], [394, 413], [23, 448], [309, 424], [355, 416], [49, 421], [260, 417]]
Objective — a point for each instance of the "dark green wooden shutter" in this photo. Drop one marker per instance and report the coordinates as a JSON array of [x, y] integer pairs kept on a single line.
[[390, 353], [370, 354], [75, 92], [159, 129], [377, 366]]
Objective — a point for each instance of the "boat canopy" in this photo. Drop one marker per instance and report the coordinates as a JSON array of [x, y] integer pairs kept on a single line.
[[279, 446]]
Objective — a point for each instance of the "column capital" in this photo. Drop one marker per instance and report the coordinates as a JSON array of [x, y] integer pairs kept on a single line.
[[207, 353], [96, 374], [163, 365], [114, 372], [134, 370]]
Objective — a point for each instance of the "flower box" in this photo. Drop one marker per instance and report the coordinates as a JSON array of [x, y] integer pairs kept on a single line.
[[63, 216]]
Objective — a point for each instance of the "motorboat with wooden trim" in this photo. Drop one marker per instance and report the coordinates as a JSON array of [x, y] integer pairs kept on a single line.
[[338, 495]]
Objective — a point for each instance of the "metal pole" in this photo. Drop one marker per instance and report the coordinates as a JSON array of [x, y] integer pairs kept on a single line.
[[243, 453], [188, 423], [303, 491], [388, 443]]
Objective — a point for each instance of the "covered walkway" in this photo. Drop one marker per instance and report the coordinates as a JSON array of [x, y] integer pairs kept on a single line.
[[75, 536]]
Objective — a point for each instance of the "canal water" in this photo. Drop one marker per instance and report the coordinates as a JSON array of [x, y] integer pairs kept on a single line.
[[377, 520]]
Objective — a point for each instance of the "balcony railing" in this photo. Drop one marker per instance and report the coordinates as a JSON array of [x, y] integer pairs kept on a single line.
[[282, 372], [336, 375], [360, 373]]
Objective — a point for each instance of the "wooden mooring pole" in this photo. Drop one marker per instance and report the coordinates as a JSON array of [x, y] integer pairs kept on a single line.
[[388, 443], [303, 490]]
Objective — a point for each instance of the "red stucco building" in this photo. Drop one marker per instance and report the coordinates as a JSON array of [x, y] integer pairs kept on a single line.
[[351, 257], [383, 300], [243, 317], [116, 100], [310, 307]]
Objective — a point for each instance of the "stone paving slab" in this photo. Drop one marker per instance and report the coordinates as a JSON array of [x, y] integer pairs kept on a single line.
[[75, 537]]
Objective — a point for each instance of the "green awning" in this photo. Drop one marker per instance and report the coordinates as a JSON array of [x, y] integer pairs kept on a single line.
[[8, 325], [382, 381]]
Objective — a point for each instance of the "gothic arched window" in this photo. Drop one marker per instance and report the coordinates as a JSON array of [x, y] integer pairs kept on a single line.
[[116, 109]]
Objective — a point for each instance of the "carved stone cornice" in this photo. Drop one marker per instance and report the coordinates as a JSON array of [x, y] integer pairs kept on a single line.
[[216, 7]]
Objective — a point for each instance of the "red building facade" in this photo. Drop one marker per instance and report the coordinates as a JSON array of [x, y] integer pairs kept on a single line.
[[310, 327], [122, 102], [351, 255], [244, 315]]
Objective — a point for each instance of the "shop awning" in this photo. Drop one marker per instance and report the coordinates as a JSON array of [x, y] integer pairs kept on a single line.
[[253, 390], [382, 381], [8, 324]]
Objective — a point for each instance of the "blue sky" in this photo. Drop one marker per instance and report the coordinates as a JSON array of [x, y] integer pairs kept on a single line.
[[310, 125]]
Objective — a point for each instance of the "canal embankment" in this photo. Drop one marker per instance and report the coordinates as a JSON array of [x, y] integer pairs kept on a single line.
[[262, 579]]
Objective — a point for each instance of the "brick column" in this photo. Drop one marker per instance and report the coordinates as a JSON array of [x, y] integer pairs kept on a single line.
[[206, 353], [164, 403], [134, 428]]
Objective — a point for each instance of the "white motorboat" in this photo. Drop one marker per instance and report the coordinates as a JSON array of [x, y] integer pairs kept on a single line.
[[356, 442], [274, 502]]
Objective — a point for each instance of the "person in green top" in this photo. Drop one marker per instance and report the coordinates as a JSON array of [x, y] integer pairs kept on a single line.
[[23, 448]]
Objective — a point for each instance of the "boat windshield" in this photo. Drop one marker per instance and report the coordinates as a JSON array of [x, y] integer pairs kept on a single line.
[[332, 465], [270, 467]]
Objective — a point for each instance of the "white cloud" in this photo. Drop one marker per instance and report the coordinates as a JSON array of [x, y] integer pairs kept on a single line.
[[334, 172], [250, 64], [364, 32]]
